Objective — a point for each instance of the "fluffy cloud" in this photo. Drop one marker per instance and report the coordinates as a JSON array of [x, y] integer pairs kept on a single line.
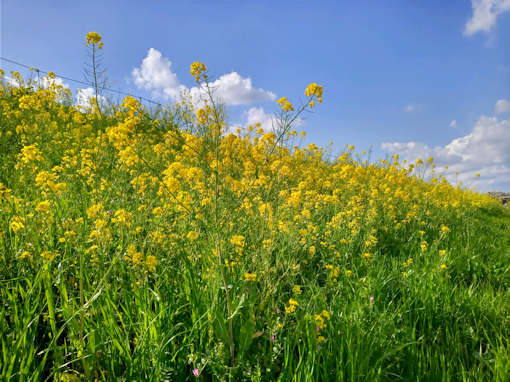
[[235, 90], [484, 150], [502, 106], [453, 123], [155, 74], [258, 115], [410, 108], [484, 16], [83, 99]]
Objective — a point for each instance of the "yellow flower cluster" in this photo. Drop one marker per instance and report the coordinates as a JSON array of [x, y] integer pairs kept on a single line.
[[17, 224], [192, 235], [43, 206], [291, 308], [198, 70], [319, 319], [136, 258], [285, 103], [94, 39], [314, 90], [237, 240], [239, 209]]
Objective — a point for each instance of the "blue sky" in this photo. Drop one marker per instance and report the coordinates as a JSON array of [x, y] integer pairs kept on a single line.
[[421, 78]]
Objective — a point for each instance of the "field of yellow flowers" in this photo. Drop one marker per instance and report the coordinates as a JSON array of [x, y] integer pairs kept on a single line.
[[160, 245]]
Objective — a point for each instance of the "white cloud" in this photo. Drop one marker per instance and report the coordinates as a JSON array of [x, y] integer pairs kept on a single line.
[[155, 74], [257, 115], [236, 90], [502, 106], [453, 123], [484, 150], [484, 16], [83, 99], [45, 82], [410, 108]]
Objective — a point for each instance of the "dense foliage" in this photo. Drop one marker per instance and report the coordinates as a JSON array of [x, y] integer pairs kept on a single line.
[[157, 244]]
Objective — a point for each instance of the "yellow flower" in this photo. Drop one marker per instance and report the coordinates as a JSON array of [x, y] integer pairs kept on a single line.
[[445, 229], [202, 116], [192, 235], [197, 68], [24, 255], [250, 276], [314, 90], [326, 315], [133, 256], [43, 206], [408, 262], [30, 153], [443, 266], [48, 255], [290, 309], [16, 224], [292, 306], [151, 263], [286, 105], [319, 321], [124, 217], [296, 289], [442, 252], [94, 38], [238, 240], [93, 210], [266, 243]]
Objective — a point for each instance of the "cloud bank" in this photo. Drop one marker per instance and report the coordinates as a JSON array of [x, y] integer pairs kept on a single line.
[[155, 74], [486, 150]]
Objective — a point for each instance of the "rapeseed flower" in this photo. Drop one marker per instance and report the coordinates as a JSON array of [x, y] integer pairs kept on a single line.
[[43, 206], [94, 39], [285, 104]]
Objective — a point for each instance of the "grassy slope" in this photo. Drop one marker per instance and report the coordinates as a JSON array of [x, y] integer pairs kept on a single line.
[[99, 313]]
